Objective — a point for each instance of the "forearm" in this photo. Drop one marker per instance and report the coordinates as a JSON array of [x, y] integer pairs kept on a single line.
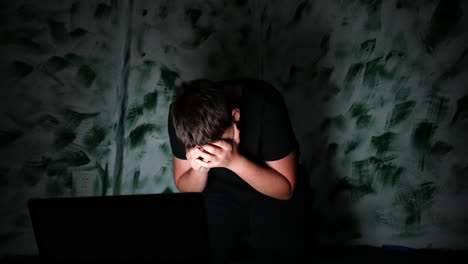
[[264, 179], [192, 181]]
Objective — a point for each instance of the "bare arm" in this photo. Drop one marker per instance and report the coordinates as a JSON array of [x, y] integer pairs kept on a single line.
[[277, 179], [189, 175]]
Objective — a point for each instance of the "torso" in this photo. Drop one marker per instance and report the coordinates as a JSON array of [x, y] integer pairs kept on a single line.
[[247, 98]]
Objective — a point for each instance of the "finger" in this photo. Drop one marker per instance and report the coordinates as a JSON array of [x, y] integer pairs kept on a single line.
[[212, 149], [190, 154], [195, 152], [223, 144], [205, 156], [236, 134], [203, 163]]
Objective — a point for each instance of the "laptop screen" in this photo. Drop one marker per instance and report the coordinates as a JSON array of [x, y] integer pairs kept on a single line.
[[157, 228]]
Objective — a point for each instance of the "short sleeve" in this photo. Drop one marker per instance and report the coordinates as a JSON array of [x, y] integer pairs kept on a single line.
[[278, 138], [178, 149]]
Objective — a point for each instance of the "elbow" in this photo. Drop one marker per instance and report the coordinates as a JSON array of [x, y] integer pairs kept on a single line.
[[285, 197], [288, 194], [180, 188], [177, 184]]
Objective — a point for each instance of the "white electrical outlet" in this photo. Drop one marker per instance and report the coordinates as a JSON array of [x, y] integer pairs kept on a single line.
[[83, 182]]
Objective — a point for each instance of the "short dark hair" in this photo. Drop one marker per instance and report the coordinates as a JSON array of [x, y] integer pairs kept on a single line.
[[200, 112]]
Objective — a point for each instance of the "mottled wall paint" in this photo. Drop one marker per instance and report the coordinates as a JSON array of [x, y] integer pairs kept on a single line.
[[86, 87], [61, 63], [376, 91], [378, 97]]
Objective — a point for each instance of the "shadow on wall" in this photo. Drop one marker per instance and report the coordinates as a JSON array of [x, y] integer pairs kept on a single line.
[[297, 59], [228, 49], [372, 87]]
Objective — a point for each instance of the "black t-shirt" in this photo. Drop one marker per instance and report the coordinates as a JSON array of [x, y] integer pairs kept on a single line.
[[266, 134]]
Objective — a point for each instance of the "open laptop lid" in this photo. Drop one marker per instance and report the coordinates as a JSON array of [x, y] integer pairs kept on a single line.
[[157, 228]]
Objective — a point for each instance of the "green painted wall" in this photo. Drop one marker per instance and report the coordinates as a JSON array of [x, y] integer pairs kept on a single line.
[[376, 91], [378, 96]]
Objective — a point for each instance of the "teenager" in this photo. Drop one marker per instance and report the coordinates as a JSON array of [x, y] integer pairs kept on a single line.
[[233, 141]]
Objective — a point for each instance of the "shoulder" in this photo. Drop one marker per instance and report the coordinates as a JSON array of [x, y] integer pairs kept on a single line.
[[271, 94]]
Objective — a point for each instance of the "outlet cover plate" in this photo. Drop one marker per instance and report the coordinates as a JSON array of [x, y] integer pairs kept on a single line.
[[83, 182]]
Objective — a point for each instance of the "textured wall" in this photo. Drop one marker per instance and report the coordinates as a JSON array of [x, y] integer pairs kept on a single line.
[[61, 64], [86, 87], [376, 90], [377, 93]]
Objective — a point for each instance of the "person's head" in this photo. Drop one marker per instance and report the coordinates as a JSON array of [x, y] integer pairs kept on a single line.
[[202, 113]]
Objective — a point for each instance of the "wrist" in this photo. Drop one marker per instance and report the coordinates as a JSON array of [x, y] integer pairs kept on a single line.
[[200, 172]]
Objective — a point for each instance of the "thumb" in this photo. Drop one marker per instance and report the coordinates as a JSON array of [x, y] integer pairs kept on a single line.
[[236, 134]]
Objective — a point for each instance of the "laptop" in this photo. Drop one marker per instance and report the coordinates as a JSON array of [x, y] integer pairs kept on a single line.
[[156, 228]]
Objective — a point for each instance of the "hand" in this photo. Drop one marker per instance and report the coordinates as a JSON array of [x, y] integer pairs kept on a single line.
[[220, 153], [193, 157]]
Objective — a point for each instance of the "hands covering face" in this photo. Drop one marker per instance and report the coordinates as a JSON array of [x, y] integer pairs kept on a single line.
[[216, 154]]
